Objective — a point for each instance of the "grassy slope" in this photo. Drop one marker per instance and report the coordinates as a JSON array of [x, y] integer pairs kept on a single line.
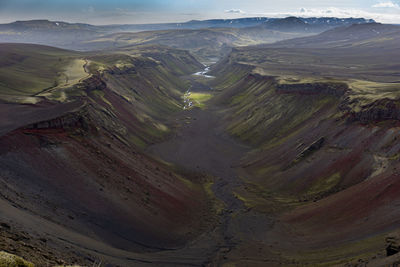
[[144, 83], [29, 69]]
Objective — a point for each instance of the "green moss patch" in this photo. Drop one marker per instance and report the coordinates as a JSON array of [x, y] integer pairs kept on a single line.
[[324, 184], [198, 99], [10, 260]]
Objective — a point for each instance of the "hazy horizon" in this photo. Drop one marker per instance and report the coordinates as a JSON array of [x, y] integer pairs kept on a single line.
[[157, 11]]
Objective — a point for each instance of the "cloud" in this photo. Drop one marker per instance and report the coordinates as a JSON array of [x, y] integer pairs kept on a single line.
[[331, 12], [235, 11], [388, 4], [386, 16]]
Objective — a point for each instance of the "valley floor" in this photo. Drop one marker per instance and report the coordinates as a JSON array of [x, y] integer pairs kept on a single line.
[[201, 145]]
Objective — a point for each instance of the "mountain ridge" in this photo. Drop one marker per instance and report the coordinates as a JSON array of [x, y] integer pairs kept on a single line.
[[193, 24], [368, 34]]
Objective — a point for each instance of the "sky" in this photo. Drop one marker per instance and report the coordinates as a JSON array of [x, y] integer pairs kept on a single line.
[[156, 11]]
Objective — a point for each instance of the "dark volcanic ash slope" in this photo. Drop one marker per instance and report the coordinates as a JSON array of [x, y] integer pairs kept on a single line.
[[77, 177]]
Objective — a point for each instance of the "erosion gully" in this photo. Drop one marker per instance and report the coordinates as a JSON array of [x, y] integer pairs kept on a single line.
[[201, 145]]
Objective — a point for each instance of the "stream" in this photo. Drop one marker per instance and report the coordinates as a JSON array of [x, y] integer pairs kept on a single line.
[[204, 73], [187, 102]]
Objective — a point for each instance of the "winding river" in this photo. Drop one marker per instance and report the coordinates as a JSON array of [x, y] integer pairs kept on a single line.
[[186, 97]]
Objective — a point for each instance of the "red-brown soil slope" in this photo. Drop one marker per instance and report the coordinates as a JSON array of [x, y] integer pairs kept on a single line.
[[75, 175]]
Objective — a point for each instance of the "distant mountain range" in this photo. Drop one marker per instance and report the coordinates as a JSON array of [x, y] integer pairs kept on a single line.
[[206, 38], [295, 24], [273, 23], [244, 22], [367, 35]]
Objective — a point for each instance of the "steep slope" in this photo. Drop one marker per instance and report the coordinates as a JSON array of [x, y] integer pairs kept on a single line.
[[325, 148], [77, 167]]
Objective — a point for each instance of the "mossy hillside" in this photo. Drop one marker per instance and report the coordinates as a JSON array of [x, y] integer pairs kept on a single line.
[[68, 82], [361, 92], [228, 74], [140, 124], [259, 115], [141, 91], [177, 61], [279, 121], [306, 109], [314, 189], [156, 91], [137, 61], [30, 70], [100, 94], [26, 70], [268, 133], [125, 90], [366, 92]]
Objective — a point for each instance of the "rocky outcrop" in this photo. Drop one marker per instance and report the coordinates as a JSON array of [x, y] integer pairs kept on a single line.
[[327, 88], [94, 82], [259, 77], [380, 110], [392, 245], [67, 121], [311, 149], [122, 70]]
